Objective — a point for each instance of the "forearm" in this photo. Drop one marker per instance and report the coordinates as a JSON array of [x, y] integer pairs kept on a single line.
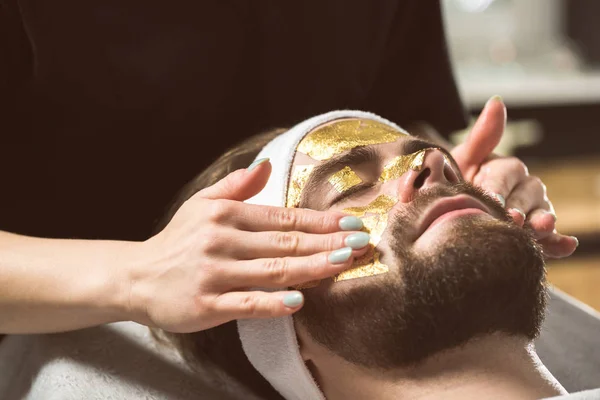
[[52, 285]]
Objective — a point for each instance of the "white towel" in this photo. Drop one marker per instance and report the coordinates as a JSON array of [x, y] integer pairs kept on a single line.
[[108, 362], [271, 344]]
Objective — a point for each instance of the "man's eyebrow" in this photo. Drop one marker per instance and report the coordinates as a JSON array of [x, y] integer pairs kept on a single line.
[[357, 155], [413, 145]]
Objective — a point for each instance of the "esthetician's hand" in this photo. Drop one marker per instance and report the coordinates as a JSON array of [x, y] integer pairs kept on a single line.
[[192, 275], [523, 195]]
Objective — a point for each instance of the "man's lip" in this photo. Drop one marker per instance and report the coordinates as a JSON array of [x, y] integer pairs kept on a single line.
[[446, 205]]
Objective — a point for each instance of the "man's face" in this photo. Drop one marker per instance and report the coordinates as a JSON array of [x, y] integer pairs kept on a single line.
[[446, 262]]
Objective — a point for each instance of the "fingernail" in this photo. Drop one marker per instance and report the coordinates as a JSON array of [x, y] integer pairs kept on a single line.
[[519, 211], [293, 299], [495, 97], [357, 240], [340, 256], [576, 241], [351, 223], [256, 163], [500, 199], [553, 215]]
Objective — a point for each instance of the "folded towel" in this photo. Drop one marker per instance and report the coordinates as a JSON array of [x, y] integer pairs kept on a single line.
[[271, 344]]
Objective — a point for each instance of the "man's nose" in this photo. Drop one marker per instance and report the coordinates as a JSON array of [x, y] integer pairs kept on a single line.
[[434, 171]]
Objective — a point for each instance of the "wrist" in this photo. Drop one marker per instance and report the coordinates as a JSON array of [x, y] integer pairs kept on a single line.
[[133, 268], [123, 273]]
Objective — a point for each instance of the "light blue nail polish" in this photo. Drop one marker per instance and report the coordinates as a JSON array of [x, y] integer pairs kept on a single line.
[[553, 215], [357, 240], [501, 199], [340, 256], [576, 241], [520, 212], [257, 163], [496, 97], [293, 299], [351, 223]]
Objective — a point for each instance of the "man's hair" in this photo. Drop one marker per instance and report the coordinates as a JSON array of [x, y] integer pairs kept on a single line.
[[218, 351]]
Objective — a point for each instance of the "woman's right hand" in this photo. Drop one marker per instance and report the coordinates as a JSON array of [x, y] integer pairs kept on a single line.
[[199, 271]]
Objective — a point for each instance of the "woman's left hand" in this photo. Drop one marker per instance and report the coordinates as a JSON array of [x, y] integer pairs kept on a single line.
[[508, 179]]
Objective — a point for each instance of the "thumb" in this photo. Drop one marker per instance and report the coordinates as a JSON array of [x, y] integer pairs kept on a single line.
[[483, 139], [240, 185]]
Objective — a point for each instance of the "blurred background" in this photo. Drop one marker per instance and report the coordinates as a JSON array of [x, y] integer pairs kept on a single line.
[[543, 58]]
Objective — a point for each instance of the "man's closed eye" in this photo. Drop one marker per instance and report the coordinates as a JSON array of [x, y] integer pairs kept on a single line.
[[352, 192]]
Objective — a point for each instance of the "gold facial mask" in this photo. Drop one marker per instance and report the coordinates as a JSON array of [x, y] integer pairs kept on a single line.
[[298, 179], [344, 179], [368, 264], [326, 142], [375, 224], [402, 164], [340, 136]]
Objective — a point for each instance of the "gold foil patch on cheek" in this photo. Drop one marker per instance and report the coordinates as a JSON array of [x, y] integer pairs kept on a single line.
[[375, 224], [402, 164], [340, 136], [382, 204], [298, 180], [344, 179]]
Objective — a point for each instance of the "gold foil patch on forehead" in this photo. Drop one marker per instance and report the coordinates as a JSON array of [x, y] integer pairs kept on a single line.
[[300, 175], [375, 220], [344, 179], [402, 164], [340, 136]]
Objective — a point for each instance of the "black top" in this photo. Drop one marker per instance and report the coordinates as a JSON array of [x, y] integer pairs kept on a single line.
[[110, 106]]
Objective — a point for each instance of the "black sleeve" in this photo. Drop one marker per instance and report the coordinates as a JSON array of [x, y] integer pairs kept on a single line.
[[16, 64], [18, 205], [416, 82]]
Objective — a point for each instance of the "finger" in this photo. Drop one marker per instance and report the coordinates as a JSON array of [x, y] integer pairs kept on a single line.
[[501, 176], [256, 304], [240, 185], [255, 218], [518, 216], [251, 245], [558, 246], [543, 222], [527, 196], [482, 139], [287, 271]]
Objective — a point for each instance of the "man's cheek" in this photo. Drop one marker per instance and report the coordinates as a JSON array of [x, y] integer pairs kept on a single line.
[[375, 217]]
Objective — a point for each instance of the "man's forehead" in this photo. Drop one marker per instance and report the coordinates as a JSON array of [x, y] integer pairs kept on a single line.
[[337, 137], [330, 141]]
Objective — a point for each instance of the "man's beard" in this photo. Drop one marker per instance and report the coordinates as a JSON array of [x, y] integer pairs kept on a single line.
[[487, 276]]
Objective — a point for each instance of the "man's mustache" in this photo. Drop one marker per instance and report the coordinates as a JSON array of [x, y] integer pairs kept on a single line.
[[405, 218]]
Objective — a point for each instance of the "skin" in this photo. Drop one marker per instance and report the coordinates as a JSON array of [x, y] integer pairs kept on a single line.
[[497, 365], [191, 275]]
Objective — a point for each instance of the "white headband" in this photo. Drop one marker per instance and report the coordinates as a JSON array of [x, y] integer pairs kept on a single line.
[[271, 344]]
